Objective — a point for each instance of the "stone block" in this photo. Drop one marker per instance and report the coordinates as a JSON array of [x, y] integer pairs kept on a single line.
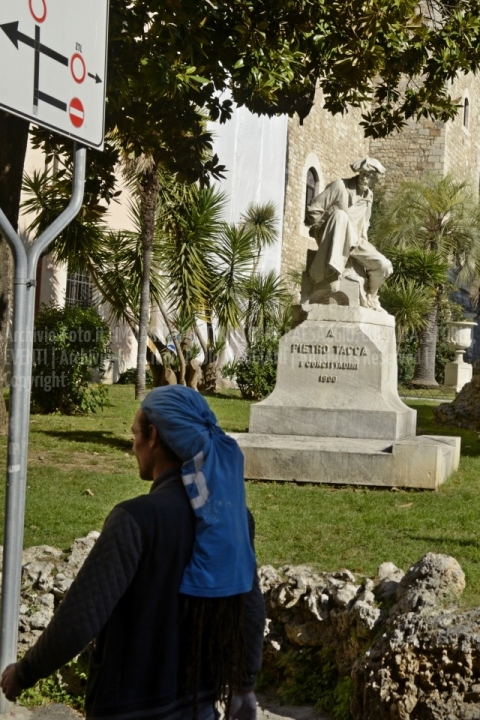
[[457, 375], [420, 462]]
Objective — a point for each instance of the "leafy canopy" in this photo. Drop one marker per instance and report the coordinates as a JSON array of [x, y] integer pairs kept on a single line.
[[270, 57], [175, 63]]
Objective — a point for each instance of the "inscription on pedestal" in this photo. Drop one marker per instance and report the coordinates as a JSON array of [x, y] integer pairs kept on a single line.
[[326, 363]]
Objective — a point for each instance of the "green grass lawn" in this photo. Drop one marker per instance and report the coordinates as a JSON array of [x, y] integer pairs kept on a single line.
[[79, 467]]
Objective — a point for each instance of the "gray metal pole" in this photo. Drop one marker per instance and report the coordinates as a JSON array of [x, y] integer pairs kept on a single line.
[[13, 498], [19, 414]]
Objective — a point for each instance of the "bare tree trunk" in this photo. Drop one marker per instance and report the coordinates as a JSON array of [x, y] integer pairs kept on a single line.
[[149, 186], [424, 374], [201, 340], [13, 146], [182, 366], [210, 363]]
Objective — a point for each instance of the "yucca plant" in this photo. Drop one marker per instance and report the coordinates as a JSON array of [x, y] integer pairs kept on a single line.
[[268, 296]]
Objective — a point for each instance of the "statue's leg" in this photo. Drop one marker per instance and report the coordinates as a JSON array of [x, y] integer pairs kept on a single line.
[[378, 269], [333, 247]]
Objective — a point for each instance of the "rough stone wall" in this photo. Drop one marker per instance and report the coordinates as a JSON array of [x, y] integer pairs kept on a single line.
[[329, 144], [410, 653], [417, 150], [429, 146], [462, 146]]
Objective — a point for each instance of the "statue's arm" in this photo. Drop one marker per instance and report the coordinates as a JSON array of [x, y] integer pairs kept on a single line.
[[366, 224], [332, 195]]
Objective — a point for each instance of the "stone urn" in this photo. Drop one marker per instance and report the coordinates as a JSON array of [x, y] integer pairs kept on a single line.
[[458, 373]]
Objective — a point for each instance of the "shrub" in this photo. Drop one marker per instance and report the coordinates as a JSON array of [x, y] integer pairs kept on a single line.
[[308, 675], [69, 344], [406, 359], [129, 377], [257, 372], [229, 369]]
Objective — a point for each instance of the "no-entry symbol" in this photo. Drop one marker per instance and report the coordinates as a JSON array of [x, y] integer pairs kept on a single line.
[[76, 112]]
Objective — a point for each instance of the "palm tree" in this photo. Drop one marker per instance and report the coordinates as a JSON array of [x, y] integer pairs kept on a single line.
[[114, 260], [262, 221], [235, 255], [187, 229], [268, 298], [187, 233], [211, 269], [410, 292], [439, 216]]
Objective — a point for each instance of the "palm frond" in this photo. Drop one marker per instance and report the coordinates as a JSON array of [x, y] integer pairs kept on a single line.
[[410, 303], [262, 220], [267, 295], [188, 227], [233, 259]]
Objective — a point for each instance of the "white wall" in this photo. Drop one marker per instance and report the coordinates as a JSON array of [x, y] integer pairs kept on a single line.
[[254, 151]]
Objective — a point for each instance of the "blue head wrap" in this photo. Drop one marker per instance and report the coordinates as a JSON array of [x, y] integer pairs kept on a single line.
[[223, 562]]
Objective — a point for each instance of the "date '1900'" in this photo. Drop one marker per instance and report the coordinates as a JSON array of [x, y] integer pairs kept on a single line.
[[327, 378]]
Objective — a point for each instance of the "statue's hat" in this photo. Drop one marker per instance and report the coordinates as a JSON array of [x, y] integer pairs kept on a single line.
[[369, 164]]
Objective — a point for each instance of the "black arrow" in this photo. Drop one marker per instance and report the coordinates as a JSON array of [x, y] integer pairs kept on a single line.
[[12, 32], [52, 101], [95, 77]]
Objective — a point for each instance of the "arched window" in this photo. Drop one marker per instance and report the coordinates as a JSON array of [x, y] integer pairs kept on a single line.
[[466, 111], [311, 188]]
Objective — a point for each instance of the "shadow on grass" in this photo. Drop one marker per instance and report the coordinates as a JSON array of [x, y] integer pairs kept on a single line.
[[442, 540], [96, 437], [426, 426]]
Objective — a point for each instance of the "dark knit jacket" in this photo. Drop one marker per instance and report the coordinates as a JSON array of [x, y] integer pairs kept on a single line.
[[126, 597]]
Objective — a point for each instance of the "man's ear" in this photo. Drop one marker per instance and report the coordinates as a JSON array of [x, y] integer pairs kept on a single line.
[[153, 436]]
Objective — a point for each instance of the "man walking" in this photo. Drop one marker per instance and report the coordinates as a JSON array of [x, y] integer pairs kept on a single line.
[[169, 593]]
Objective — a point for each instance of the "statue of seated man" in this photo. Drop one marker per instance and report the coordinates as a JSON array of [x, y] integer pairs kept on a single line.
[[339, 218]]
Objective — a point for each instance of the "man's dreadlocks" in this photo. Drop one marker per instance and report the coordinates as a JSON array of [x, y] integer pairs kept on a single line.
[[217, 645]]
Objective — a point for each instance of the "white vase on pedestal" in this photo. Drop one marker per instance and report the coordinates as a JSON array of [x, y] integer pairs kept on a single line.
[[458, 373]]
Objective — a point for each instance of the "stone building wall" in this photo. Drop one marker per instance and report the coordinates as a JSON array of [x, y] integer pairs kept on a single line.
[[462, 147], [417, 150], [328, 144]]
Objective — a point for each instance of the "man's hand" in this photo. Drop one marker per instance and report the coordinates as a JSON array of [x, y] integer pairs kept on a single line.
[[9, 683], [243, 706]]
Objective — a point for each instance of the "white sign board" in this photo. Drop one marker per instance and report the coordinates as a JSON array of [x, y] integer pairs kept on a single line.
[[53, 63]]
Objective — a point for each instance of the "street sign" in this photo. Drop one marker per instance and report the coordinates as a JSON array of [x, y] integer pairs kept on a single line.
[[53, 64]]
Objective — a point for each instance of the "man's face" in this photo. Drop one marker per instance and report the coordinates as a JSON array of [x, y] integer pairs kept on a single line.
[[143, 449], [364, 180]]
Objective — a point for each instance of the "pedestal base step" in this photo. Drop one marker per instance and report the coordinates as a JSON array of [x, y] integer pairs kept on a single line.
[[425, 461]]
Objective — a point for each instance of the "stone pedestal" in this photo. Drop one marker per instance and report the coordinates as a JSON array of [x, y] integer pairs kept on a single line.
[[458, 373], [337, 377], [335, 415]]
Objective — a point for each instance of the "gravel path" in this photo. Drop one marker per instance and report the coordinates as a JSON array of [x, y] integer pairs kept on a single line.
[[267, 710]]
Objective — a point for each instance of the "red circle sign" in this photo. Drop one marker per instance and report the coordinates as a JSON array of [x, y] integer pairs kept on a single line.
[[78, 68], [39, 12], [76, 112]]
